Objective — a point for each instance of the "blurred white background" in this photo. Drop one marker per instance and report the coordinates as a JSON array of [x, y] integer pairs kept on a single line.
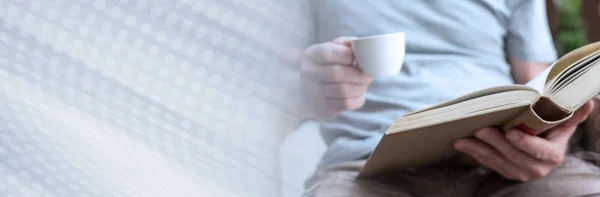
[[152, 98]]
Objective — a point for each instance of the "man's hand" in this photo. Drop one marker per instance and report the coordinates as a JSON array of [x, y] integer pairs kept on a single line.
[[519, 156], [330, 82]]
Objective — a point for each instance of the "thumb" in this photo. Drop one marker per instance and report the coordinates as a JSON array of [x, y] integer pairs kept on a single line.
[[580, 115], [344, 40], [563, 132]]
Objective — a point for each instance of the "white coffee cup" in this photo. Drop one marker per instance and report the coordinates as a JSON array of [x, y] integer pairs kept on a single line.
[[380, 55]]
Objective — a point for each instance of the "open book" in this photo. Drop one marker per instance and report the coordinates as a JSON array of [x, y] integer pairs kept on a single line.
[[426, 136]]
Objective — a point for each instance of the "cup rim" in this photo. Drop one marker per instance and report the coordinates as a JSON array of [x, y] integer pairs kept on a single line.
[[380, 36]]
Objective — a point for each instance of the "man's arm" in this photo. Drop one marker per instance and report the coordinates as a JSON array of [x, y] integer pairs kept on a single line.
[[523, 71], [529, 44], [514, 154], [307, 14]]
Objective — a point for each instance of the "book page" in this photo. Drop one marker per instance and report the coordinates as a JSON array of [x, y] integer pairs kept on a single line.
[[581, 89], [474, 95], [539, 82]]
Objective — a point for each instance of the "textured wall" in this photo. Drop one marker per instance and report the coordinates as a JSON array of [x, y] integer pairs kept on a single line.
[[145, 97]]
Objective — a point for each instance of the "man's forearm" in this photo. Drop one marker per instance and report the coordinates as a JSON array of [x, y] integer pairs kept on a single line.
[[523, 71]]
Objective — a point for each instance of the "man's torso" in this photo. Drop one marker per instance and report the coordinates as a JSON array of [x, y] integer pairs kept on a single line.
[[452, 48]]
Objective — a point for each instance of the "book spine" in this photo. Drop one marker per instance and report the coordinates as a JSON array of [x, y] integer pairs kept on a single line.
[[539, 117]]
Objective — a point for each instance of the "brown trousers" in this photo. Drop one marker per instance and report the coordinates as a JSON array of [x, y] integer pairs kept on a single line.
[[575, 177]]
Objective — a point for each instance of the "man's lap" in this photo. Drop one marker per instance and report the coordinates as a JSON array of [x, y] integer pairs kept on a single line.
[[575, 177]]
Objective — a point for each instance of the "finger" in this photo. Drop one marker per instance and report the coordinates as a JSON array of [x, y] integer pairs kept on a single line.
[[495, 138], [340, 74], [536, 147], [345, 104], [489, 157], [562, 133], [344, 40], [334, 74], [329, 53], [343, 90], [580, 115]]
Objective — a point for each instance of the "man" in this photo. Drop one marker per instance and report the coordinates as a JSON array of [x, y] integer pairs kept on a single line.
[[452, 48]]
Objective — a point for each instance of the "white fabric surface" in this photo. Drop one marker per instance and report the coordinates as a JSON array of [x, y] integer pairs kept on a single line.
[[145, 97]]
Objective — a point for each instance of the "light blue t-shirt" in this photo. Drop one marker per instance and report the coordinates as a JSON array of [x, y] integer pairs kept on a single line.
[[453, 47]]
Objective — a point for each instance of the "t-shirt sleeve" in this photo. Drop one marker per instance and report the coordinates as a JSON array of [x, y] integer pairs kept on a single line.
[[528, 37]]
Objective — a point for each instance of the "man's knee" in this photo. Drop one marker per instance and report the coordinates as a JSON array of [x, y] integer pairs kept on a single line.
[[575, 177], [340, 180]]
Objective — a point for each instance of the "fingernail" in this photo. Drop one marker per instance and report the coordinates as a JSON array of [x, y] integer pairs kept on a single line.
[[514, 136], [479, 133], [459, 145]]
